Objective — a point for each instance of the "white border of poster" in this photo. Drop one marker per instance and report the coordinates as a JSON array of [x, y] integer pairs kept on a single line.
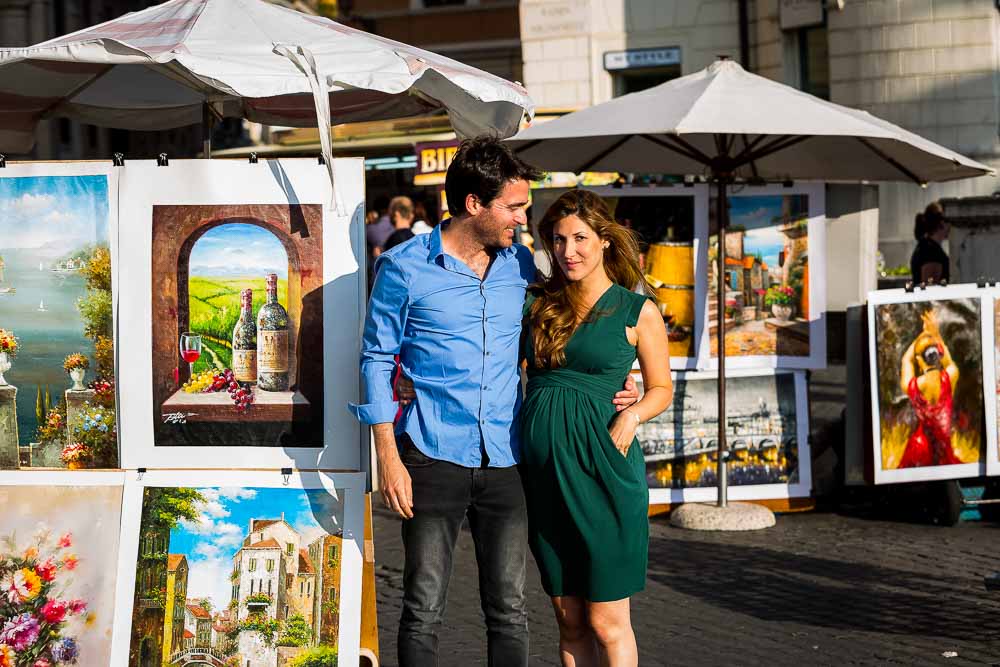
[[955, 471], [800, 489], [224, 182], [991, 378], [351, 484], [817, 284], [66, 169], [700, 194]]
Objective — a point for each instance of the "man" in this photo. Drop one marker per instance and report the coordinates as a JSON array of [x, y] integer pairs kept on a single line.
[[449, 304], [401, 214]]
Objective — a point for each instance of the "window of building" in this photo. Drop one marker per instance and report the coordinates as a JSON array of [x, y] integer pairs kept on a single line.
[[332, 555], [253, 565], [268, 586], [269, 566], [302, 587], [290, 548], [814, 61], [333, 595], [632, 81]]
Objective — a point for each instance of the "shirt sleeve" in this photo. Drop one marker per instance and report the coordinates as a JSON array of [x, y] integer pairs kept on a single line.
[[382, 340]]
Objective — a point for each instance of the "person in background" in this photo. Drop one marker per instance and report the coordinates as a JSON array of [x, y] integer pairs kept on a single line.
[[401, 215], [420, 222], [377, 232], [929, 262]]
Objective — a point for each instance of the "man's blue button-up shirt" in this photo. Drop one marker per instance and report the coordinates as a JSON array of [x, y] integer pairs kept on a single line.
[[457, 338]]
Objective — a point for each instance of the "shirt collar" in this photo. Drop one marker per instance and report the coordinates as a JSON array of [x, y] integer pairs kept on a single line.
[[435, 246]]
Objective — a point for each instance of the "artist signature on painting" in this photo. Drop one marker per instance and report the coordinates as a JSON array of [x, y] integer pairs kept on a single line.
[[178, 417]]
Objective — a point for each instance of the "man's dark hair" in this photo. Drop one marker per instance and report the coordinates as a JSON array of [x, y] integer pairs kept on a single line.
[[481, 167]]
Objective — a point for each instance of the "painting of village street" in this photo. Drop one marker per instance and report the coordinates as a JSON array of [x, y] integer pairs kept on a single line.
[[766, 307], [680, 444], [237, 577], [58, 547], [57, 374]]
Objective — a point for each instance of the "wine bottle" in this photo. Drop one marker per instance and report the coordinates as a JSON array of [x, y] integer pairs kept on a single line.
[[272, 341], [245, 341]]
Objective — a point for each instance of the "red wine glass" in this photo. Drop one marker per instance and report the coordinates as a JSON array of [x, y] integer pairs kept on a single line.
[[190, 346]]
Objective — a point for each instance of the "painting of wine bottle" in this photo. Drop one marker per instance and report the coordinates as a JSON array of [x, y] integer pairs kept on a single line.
[[241, 301]]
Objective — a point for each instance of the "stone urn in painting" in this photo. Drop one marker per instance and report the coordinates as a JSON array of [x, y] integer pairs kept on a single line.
[[782, 312], [76, 365], [4, 367]]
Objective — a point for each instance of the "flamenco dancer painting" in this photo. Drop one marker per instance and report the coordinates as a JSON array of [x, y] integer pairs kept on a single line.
[[929, 366]]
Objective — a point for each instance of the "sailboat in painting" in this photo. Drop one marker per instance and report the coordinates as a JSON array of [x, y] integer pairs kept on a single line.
[[41, 307]]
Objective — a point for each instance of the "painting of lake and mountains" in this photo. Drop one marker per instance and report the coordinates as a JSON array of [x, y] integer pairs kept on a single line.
[[57, 396]]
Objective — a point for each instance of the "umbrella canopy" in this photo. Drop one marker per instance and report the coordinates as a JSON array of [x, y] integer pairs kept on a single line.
[[156, 69], [724, 119]]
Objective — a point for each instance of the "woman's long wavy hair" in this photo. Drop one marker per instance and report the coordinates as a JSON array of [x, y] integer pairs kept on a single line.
[[558, 308]]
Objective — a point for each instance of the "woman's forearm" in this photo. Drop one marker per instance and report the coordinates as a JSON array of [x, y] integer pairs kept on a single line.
[[654, 401]]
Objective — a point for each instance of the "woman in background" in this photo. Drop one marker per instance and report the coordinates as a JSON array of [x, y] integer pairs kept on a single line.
[[929, 262]]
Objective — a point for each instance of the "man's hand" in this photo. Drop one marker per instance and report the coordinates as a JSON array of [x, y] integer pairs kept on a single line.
[[628, 395], [393, 477], [404, 390]]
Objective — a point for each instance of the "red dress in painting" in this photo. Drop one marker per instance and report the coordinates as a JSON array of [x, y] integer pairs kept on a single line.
[[930, 444]]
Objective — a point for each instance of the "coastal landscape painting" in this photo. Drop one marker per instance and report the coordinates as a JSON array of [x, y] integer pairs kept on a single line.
[[57, 358]]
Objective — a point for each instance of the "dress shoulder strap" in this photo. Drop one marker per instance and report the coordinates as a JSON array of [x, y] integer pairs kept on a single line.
[[634, 304]]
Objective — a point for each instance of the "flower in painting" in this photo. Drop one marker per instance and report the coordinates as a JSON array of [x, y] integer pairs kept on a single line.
[[7, 656], [21, 585], [20, 632], [70, 561], [46, 570], [66, 540], [65, 650], [54, 611], [77, 606], [30, 553], [42, 662]]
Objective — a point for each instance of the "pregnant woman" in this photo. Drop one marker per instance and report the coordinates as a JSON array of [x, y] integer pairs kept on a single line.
[[583, 469]]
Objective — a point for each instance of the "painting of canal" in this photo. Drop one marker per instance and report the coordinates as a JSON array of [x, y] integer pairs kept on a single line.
[[767, 308], [246, 576], [56, 303], [762, 432]]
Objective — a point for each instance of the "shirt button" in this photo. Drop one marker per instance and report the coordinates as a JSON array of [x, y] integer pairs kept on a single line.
[[485, 387]]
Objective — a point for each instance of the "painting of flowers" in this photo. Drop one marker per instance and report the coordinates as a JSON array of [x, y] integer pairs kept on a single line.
[[58, 546]]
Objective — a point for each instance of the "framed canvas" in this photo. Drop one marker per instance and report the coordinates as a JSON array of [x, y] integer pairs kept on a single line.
[[241, 314], [929, 369], [58, 296], [767, 434], [59, 535], [775, 271], [243, 567]]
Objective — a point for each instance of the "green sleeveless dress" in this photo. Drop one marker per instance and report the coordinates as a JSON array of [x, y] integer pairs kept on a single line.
[[587, 504]]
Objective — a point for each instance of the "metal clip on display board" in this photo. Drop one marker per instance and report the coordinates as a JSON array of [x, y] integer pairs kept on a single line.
[[908, 287], [141, 472], [118, 159], [253, 158], [3, 161], [321, 160], [982, 282], [162, 161], [286, 475]]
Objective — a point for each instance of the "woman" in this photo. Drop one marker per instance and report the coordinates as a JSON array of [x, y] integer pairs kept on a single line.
[[929, 262], [583, 469], [929, 376]]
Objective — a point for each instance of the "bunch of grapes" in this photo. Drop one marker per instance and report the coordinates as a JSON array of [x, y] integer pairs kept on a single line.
[[199, 382], [242, 395]]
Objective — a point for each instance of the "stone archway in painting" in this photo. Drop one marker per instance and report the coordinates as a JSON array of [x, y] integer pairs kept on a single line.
[[176, 231]]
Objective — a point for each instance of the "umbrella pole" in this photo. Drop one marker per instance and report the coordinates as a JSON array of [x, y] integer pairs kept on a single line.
[[206, 131], [722, 215]]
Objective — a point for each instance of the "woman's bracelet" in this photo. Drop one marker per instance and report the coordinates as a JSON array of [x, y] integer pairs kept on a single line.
[[638, 419]]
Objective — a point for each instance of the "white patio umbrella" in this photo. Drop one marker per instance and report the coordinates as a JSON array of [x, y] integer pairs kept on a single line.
[[727, 123], [164, 66]]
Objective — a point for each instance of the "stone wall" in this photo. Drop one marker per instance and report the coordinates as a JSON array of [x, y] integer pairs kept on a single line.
[[8, 428]]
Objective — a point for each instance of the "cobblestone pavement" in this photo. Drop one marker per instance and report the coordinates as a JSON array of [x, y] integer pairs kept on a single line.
[[818, 589]]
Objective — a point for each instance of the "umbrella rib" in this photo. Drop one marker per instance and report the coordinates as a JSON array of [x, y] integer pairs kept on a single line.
[[746, 149], [895, 163], [68, 99], [749, 145], [775, 146], [677, 149], [603, 154], [692, 151]]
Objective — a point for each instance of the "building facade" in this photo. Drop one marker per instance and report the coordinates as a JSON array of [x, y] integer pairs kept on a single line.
[[325, 554], [930, 66], [173, 609]]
